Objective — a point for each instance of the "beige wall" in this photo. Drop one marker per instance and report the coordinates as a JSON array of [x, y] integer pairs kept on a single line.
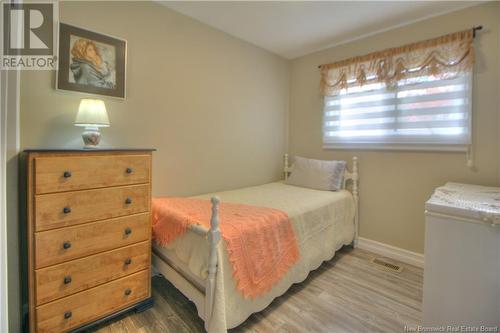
[[214, 106], [395, 185]]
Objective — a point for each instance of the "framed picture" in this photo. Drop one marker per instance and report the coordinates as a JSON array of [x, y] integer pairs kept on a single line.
[[90, 62]]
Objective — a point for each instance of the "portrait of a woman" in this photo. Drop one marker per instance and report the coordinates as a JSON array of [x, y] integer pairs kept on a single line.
[[90, 62], [88, 66]]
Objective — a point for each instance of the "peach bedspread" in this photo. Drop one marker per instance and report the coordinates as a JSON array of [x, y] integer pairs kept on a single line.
[[260, 241]]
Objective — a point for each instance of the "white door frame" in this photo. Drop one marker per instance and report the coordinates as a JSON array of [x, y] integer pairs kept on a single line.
[[9, 144], [4, 315]]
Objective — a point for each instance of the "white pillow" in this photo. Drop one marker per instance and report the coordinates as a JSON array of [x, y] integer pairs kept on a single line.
[[317, 174]]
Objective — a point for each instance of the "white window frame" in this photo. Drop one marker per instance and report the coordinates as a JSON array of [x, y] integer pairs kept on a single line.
[[403, 146]]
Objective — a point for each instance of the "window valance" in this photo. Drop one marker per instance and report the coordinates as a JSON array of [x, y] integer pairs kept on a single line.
[[444, 57]]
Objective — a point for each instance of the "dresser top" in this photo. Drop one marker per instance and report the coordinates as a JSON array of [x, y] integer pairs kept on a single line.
[[84, 150], [481, 203]]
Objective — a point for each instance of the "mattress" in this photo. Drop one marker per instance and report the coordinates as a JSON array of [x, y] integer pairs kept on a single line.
[[323, 221]]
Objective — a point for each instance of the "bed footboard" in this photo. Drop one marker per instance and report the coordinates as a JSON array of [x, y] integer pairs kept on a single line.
[[213, 236], [213, 239]]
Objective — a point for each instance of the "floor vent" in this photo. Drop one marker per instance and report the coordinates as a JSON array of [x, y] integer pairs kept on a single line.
[[387, 265]]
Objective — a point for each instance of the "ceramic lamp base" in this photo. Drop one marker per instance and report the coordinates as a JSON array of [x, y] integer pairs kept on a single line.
[[91, 137]]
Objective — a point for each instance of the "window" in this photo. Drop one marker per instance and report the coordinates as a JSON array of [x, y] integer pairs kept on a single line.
[[423, 112], [416, 96]]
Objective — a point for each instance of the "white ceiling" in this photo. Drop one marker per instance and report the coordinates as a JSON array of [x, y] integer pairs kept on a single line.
[[292, 29]]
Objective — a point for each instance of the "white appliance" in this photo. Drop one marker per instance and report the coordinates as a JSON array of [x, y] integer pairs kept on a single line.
[[462, 257]]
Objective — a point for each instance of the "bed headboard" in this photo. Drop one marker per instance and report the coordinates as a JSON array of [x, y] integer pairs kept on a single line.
[[351, 176]]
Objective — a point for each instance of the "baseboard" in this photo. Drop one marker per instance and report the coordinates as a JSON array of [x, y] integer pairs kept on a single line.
[[389, 251]]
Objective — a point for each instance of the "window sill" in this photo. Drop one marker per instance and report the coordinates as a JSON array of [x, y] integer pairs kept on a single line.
[[397, 147]]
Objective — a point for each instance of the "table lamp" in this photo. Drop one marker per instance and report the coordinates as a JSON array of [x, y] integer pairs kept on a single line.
[[91, 115]]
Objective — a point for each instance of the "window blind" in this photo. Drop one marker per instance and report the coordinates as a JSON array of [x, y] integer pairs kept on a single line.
[[423, 110]]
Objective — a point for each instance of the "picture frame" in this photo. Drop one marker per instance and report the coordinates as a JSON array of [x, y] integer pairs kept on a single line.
[[91, 62]]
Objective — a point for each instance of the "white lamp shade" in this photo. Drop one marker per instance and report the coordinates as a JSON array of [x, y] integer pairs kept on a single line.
[[92, 113]]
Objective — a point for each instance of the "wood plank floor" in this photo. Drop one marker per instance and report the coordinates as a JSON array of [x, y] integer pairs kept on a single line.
[[346, 294]]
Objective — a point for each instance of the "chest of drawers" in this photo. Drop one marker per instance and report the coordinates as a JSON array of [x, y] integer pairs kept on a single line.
[[89, 236]]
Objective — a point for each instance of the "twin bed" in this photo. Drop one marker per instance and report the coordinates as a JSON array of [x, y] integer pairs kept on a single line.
[[197, 263]]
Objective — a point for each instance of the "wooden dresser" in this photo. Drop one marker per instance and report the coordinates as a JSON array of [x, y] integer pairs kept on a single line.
[[89, 236]]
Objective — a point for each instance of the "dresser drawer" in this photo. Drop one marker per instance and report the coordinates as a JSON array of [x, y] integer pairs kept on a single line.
[[70, 208], [68, 278], [56, 246], [68, 173], [76, 310]]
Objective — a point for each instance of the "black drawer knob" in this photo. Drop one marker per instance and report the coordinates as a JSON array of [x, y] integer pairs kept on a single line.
[[128, 201], [67, 174], [129, 170], [66, 245], [67, 279], [128, 291], [66, 210], [67, 314], [128, 261], [128, 231]]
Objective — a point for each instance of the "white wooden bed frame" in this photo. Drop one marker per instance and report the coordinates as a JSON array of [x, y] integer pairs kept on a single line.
[[203, 296]]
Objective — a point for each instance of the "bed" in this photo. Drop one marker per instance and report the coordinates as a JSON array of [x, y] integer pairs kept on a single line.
[[197, 262]]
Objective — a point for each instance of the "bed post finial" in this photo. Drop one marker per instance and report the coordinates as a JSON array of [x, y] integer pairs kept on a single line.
[[213, 243], [285, 167], [214, 221], [355, 194]]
